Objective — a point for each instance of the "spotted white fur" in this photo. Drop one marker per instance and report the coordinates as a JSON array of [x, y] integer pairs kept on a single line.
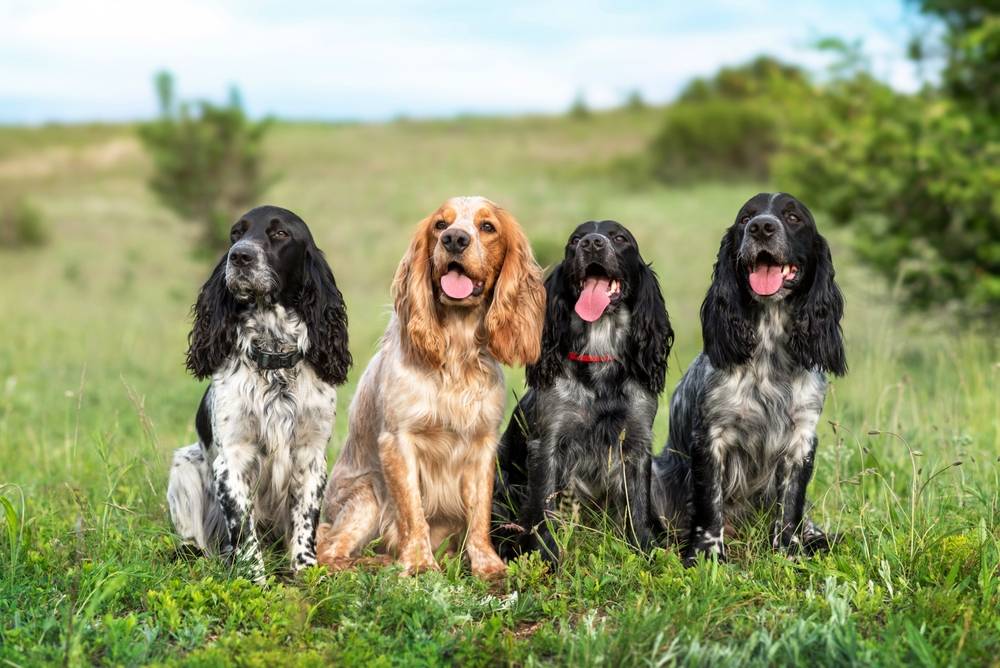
[[266, 466]]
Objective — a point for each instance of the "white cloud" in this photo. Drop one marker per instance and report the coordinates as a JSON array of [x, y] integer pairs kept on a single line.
[[71, 59]]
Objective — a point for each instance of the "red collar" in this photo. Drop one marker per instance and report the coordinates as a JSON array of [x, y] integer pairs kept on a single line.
[[577, 357]]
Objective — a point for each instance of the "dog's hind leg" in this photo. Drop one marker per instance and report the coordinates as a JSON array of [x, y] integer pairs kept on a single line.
[[670, 496], [194, 507], [352, 525]]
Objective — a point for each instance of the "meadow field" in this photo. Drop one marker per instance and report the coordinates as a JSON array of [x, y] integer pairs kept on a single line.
[[94, 396]]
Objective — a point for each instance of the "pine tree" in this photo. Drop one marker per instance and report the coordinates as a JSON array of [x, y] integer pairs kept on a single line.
[[206, 160]]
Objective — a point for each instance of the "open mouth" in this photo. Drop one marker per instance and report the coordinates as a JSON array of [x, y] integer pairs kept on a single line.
[[598, 291], [768, 275], [457, 284]]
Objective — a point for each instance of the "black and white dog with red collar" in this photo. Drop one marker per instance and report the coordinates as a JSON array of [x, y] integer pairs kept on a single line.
[[743, 418], [585, 425], [270, 330]]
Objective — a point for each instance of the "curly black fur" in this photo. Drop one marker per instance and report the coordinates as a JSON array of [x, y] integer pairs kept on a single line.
[[743, 419], [728, 323], [216, 313], [585, 428], [322, 306]]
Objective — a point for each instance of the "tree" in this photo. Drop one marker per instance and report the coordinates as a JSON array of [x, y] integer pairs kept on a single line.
[[634, 101], [917, 177], [206, 160], [578, 109], [729, 126]]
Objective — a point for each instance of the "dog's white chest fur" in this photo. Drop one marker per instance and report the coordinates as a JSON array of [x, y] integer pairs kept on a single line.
[[271, 413], [761, 413]]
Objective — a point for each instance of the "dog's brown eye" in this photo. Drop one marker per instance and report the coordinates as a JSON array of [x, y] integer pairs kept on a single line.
[[574, 241], [621, 238], [279, 234], [744, 220], [487, 226], [792, 218], [440, 225]]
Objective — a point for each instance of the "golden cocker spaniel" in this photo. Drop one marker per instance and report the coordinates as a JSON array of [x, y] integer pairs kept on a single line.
[[417, 468]]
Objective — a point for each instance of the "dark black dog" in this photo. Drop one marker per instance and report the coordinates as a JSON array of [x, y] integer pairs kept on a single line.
[[585, 425], [270, 330], [743, 419]]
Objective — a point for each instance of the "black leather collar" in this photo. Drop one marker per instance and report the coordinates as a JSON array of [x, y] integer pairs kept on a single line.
[[267, 361]]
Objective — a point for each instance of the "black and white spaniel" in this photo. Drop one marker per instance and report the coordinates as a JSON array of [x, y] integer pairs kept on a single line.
[[270, 329], [743, 418], [585, 425]]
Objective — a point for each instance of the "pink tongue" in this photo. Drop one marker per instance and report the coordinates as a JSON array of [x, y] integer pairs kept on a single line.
[[456, 285], [594, 299], [766, 280]]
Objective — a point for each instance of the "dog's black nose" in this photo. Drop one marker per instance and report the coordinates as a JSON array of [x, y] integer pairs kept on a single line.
[[593, 242], [762, 229], [240, 257], [456, 241]]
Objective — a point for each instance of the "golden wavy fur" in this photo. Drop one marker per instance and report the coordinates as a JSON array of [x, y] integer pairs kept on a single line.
[[417, 468]]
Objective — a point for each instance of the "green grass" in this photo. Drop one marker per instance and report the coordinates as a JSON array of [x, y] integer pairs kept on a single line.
[[93, 398]]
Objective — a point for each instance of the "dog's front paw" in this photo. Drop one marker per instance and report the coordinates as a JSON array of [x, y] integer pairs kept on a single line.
[[337, 564], [302, 561], [542, 541], [417, 566], [642, 542], [788, 545], [708, 542], [808, 541], [417, 559], [484, 562], [487, 566], [248, 562], [815, 540]]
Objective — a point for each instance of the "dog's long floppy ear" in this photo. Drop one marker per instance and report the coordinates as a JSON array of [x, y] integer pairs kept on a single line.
[[816, 339], [413, 296], [215, 318], [726, 329], [555, 333], [652, 336], [514, 320], [322, 306]]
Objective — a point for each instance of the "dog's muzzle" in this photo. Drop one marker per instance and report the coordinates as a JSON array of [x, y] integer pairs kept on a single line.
[[247, 273], [764, 233]]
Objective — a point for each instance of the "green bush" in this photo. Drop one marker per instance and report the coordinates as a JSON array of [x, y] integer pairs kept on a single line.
[[715, 139], [917, 177], [762, 77], [730, 125], [206, 160], [22, 225]]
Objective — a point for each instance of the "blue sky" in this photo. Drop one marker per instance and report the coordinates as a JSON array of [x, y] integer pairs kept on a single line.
[[76, 60]]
